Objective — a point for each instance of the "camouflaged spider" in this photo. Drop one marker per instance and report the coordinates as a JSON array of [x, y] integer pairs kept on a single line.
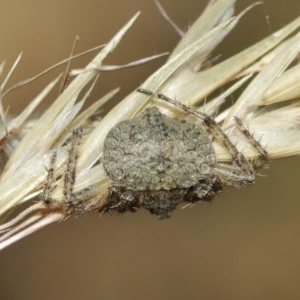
[[156, 161]]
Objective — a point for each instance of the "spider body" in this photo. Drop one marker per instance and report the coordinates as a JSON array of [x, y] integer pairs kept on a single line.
[[155, 152], [156, 162]]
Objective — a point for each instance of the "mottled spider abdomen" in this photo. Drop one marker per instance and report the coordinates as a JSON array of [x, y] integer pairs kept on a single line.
[[156, 162], [155, 152]]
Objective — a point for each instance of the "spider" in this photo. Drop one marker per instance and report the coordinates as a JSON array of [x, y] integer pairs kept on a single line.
[[156, 161]]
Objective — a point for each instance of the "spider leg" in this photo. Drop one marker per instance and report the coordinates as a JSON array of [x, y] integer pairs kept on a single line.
[[75, 202], [69, 175], [120, 199], [242, 171], [70, 171], [45, 195], [211, 124], [262, 153]]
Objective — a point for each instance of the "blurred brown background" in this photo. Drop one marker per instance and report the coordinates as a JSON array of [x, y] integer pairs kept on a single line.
[[245, 245]]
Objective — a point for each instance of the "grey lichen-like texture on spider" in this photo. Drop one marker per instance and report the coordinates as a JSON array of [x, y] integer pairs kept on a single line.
[[157, 162]]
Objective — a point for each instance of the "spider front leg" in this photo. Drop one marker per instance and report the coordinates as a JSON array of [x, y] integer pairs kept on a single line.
[[241, 171], [263, 155]]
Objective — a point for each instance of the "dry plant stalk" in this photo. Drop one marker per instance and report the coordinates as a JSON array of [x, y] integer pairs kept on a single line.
[[35, 152]]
